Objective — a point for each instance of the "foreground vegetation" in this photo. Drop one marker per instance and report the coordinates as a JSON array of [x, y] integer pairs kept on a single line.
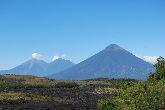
[[143, 95], [29, 92]]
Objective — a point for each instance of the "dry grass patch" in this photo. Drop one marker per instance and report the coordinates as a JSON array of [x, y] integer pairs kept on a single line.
[[105, 90], [14, 96]]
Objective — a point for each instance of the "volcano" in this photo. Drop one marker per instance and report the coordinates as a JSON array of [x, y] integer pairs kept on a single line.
[[112, 62]]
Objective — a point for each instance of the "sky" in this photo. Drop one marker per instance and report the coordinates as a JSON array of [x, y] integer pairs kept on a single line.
[[77, 29]]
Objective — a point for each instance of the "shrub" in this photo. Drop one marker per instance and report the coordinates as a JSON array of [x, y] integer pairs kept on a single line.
[[108, 104], [138, 96]]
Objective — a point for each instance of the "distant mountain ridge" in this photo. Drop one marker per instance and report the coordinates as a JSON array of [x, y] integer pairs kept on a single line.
[[112, 62], [39, 67]]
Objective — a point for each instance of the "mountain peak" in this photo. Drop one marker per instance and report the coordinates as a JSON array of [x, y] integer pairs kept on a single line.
[[113, 47], [112, 62], [59, 59], [35, 61]]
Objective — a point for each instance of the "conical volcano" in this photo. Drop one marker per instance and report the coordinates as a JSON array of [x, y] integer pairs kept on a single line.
[[30, 67], [112, 62], [39, 67]]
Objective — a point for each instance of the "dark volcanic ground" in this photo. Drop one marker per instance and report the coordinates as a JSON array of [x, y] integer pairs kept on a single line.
[[65, 99], [35, 93]]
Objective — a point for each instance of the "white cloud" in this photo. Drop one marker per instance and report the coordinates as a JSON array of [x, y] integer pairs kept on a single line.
[[37, 56], [150, 59], [55, 57]]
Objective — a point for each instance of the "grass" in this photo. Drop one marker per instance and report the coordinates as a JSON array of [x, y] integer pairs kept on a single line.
[[9, 82]]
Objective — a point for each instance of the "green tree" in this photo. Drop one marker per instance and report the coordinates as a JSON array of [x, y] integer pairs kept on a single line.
[[160, 70], [143, 95]]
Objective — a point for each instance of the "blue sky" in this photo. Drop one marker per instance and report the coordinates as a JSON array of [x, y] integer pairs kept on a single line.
[[79, 28]]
